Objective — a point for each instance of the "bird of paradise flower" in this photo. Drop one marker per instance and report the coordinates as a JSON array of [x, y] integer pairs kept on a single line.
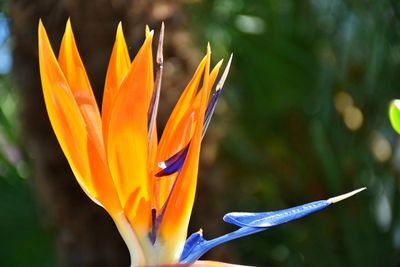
[[146, 185]]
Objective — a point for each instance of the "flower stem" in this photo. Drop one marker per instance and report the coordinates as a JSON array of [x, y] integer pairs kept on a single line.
[[131, 240]]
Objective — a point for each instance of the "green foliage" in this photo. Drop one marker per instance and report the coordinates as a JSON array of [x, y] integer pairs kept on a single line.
[[308, 99], [24, 242], [394, 115]]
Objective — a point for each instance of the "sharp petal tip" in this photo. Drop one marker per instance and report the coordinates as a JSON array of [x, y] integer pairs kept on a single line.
[[68, 28], [224, 74], [230, 59], [42, 35], [344, 196], [120, 32], [68, 24], [219, 63], [41, 27]]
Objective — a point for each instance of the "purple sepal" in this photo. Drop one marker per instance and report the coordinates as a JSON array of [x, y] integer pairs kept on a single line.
[[153, 233], [174, 163], [210, 110]]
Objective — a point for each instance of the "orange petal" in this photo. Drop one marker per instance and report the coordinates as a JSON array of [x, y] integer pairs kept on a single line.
[[71, 64], [179, 207], [127, 145], [180, 138], [164, 184], [117, 69], [176, 120], [212, 78], [74, 71], [179, 111], [151, 161], [64, 114]]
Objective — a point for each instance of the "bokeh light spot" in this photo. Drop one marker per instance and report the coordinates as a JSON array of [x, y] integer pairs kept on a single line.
[[342, 100], [380, 146], [353, 118]]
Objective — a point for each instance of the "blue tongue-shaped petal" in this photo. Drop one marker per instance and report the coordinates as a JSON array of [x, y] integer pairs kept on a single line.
[[273, 218], [251, 223]]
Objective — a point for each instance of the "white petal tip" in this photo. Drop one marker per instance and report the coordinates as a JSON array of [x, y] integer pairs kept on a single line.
[[224, 75], [344, 196], [162, 165]]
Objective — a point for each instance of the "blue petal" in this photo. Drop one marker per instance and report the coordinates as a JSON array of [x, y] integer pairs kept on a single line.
[[192, 252], [193, 241], [251, 223], [269, 219]]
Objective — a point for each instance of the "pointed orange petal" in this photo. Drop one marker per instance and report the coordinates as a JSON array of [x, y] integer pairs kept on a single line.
[[180, 138], [71, 63], [74, 71], [64, 114], [164, 184], [127, 144], [179, 207], [147, 31], [151, 162], [212, 78], [169, 143], [179, 111], [117, 69]]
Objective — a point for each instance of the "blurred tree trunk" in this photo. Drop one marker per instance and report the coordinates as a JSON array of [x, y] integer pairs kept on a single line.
[[86, 235]]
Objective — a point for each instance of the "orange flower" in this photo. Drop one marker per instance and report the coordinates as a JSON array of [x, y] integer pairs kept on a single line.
[[146, 186], [115, 156]]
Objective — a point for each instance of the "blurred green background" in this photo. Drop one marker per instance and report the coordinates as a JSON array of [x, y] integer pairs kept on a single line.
[[24, 239], [303, 117]]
